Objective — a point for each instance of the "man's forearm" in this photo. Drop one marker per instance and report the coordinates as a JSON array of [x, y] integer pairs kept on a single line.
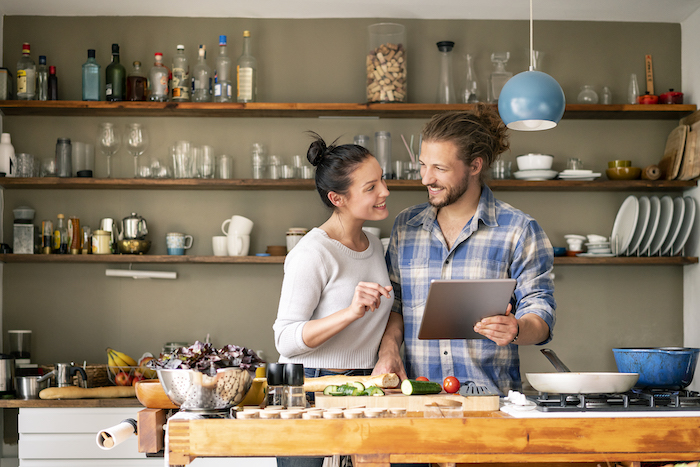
[[393, 335], [532, 330]]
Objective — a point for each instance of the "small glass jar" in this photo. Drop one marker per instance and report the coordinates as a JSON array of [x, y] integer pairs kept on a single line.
[[386, 63], [294, 395], [587, 95], [64, 167], [275, 384]]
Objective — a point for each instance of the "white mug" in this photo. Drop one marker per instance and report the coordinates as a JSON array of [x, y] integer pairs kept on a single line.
[[239, 224], [220, 245], [238, 245]]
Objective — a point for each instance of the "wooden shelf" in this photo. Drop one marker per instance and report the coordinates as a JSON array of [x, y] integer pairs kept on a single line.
[[166, 259], [296, 184], [128, 259], [313, 110], [65, 403]]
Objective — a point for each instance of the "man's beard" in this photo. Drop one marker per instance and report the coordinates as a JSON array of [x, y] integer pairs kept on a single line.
[[451, 194]]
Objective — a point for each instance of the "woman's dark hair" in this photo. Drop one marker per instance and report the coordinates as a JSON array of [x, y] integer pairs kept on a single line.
[[479, 133], [334, 165]]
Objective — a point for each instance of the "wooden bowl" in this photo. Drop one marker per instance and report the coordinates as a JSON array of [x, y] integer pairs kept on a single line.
[[623, 173], [277, 250], [151, 395]]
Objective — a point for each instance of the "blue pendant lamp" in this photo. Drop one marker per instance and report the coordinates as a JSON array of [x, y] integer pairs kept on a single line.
[[531, 100]]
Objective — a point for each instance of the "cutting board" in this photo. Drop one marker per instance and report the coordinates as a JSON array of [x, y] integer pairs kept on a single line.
[[673, 153], [394, 398], [690, 165]]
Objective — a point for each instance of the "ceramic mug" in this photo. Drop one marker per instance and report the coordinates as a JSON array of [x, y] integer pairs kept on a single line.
[[238, 245], [220, 245], [177, 243], [239, 224]]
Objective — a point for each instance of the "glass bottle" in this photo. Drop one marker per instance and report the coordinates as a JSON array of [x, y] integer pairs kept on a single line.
[[201, 78], [382, 151], [136, 84], [64, 159], [158, 80], [246, 73], [53, 84], [499, 75], [446, 90], [470, 94], [42, 79], [606, 97], [180, 85], [222, 74], [633, 90], [115, 77], [60, 236], [26, 75], [587, 95], [91, 78]]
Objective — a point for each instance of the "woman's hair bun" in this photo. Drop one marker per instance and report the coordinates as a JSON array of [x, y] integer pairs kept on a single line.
[[317, 151]]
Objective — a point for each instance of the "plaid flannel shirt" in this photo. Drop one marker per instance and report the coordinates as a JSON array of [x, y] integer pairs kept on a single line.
[[498, 242]]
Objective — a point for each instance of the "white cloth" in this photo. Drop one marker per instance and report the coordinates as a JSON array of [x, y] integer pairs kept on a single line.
[[320, 276]]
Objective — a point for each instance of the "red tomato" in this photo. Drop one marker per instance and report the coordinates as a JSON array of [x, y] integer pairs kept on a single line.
[[451, 384], [422, 378]]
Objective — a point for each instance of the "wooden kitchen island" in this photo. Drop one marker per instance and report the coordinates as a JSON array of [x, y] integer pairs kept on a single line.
[[492, 437]]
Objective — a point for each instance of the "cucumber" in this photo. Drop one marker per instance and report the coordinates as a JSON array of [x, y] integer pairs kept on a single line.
[[411, 386], [330, 390], [358, 385], [374, 391]]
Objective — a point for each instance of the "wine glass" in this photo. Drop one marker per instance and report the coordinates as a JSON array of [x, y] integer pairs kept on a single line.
[[109, 142], [136, 143]]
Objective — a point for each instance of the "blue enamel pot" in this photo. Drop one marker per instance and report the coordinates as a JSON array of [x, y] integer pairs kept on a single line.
[[660, 367]]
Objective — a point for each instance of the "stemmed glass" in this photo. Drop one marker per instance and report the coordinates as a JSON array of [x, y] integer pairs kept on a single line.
[[136, 143], [109, 142]]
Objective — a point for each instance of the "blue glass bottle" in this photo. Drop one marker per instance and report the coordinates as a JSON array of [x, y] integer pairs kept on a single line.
[[91, 78]]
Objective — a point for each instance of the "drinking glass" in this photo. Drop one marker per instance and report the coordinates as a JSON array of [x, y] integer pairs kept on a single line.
[[109, 142], [136, 143]]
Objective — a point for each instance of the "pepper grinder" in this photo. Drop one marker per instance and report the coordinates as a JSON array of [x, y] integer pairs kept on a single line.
[[294, 395], [275, 383]]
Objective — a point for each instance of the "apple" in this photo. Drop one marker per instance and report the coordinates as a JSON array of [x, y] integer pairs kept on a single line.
[[122, 379], [138, 376], [145, 370]]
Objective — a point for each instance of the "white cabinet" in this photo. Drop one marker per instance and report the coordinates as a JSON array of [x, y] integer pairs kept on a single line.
[[65, 437]]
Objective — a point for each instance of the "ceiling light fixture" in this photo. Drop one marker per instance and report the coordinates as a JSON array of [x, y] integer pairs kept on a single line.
[[531, 100]]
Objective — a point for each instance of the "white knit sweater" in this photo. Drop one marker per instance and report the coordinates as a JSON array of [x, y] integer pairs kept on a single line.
[[320, 276]]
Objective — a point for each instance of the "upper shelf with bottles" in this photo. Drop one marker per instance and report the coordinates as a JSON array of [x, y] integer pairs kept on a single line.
[[313, 110]]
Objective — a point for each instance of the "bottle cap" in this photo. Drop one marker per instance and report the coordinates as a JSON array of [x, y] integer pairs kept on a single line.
[[383, 134], [5, 138], [137, 64], [222, 40], [91, 53], [294, 374], [42, 59], [115, 48], [445, 46], [60, 216], [52, 71], [180, 47], [159, 56], [246, 33], [275, 374], [25, 47]]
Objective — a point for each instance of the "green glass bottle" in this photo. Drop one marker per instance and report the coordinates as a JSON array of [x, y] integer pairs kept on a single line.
[[115, 78]]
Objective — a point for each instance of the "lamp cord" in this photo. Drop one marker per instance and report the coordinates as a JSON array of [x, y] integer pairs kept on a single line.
[[531, 51]]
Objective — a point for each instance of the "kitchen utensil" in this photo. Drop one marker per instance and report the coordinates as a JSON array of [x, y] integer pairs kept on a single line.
[[674, 229], [150, 393], [28, 387], [470, 388], [220, 245], [619, 163], [670, 163], [671, 97], [7, 374], [580, 383], [665, 218], [690, 164], [535, 174], [686, 226], [649, 72], [196, 391], [659, 368], [134, 226], [624, 225], [134, 246]]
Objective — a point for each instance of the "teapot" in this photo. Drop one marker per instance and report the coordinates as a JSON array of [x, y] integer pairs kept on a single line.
[[134, 227]]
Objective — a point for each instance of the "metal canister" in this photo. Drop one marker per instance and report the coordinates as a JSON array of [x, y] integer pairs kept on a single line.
[[74, 235], [64, 166]]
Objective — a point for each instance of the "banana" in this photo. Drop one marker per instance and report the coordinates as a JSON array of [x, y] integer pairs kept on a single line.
[[125, 358], [116, 359]]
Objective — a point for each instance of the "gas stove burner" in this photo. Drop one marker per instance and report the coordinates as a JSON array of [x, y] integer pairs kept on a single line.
[[634, 400]]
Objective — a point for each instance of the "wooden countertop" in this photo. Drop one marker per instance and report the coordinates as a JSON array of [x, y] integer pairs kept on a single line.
[[116, 402], [476, 438]]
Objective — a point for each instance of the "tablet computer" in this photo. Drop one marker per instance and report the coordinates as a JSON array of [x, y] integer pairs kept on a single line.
[[455, 306]]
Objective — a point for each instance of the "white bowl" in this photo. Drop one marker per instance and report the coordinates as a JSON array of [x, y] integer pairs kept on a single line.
[[593, 238], [534, 162]]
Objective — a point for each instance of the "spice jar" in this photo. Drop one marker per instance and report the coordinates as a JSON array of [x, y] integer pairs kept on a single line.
[[275, 383], [294, 395], [386, 63]]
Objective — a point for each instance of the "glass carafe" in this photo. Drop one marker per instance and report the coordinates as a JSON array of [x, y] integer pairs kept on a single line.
[[470, 93], [499, 75], [446, 90]]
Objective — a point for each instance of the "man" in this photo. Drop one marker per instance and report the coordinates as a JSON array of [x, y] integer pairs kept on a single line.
[[463, 232]]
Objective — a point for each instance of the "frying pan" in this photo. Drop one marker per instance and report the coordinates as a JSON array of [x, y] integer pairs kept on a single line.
[[567, 382]]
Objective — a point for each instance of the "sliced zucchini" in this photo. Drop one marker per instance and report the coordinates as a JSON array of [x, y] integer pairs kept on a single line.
[[330, 390]]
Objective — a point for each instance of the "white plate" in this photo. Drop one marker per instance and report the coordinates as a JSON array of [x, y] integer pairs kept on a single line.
[[642, 222], [625, 223], [579, 176], [665, 218], [652, 225], [686, 227], [678, 214], [600, 255], [575, 172], [535, 174]]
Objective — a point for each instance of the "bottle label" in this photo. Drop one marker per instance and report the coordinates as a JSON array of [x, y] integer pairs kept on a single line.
[[245, 83], [56, 240], [108, 89], [217, 89], [21, 81]]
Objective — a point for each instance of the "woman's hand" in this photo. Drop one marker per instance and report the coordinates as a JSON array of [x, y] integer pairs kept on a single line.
[[367, 297]]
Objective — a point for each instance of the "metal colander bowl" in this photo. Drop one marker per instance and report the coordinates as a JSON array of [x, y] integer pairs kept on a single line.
[[193, 390]]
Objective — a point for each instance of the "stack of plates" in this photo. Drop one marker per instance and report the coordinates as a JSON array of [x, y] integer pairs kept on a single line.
[[649, 226], [569, 174], [597, 249], [535, 174]]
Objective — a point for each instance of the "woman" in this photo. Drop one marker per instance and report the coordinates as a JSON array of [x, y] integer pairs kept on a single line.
[[336, 297]]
